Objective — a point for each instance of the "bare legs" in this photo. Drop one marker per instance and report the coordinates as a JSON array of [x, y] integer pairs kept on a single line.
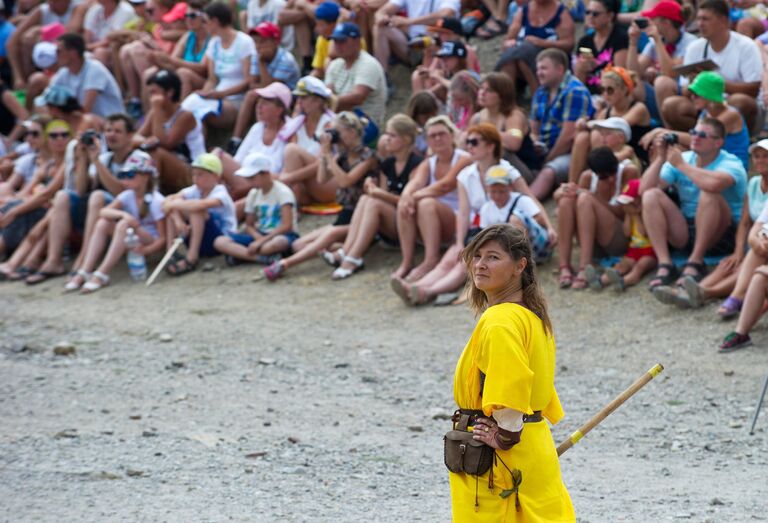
[[435, 222], [753, 301], [371, 216], [300, 174]]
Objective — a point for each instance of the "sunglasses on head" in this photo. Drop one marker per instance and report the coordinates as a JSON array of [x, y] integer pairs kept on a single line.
[[472, 142], [62, 134], [593, 13], [126, 175], [701, 134]]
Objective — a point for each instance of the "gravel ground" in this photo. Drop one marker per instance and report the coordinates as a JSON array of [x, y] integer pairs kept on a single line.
[[215, 398]]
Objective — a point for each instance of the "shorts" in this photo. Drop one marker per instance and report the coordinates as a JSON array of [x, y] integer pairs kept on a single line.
[[635, 253], [18, 229], [78, 207], [616, 247], [210, 233], [724, 246], [561, 166], [344, 217], [537, 235], [650, 102], [524, 51], [246, 239]]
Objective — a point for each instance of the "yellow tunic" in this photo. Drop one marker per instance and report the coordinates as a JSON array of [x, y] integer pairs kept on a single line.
[[510, 346]]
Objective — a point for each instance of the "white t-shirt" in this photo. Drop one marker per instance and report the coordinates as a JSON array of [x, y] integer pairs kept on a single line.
[[419, 8], [470, 179], [25, 166], [49, 17], [491, 215], [268, 12], [681, 47], [96, 23], [105, 159], [267, 206], [228, 63], [93, 76], [311, 144], [739, 61], [224, 216], [128, 203], [254, 142], [365, 71]]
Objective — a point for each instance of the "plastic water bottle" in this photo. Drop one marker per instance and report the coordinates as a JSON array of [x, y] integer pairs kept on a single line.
[[137, 264]]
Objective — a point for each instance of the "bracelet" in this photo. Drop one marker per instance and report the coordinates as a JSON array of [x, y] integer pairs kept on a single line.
[[516, 133]]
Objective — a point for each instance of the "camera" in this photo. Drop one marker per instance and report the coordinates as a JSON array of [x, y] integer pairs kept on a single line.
[[422, 42], [641, 22], [88, 137], [335, 136], [670, 139]]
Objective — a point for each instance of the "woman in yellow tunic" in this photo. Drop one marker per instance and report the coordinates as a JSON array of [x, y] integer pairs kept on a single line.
[[507, 372]]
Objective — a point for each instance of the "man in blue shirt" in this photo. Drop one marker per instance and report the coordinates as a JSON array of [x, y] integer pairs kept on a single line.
[[560, 100], [710, 183]]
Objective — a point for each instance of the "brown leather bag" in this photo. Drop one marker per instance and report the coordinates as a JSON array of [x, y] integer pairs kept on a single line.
[[464, 454]]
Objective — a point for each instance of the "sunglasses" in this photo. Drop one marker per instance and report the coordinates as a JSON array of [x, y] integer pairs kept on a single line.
[[472, 142], [63, 134], [126, 175], [607, 90], [193, 14], [701, 134], [32, 134], [594, 13]]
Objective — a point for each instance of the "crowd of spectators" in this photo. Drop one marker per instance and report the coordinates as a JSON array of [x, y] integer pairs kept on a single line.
[[222, 122]]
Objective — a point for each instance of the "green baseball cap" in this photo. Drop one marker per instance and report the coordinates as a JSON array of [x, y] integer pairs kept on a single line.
[[709, 85], [209, 162]]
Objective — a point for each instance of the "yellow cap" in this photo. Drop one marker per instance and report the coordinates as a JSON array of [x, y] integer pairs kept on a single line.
[[209, 162]]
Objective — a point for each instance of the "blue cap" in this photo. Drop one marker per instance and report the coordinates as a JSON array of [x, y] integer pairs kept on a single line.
[[345, 30], [327, 11]]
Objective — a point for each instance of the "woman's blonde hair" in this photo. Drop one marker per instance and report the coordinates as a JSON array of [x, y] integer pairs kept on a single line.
[[404, 126], [442, 119], [516, 243], [351, 120]]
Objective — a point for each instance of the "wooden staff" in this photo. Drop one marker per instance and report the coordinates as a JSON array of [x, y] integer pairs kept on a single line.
[[164, 261], [608, 409]]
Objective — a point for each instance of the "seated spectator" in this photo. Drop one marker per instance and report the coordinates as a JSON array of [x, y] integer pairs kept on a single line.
[[94, 86], [668, 42], [710, 183], [303, 133], [539, 25], [19, 215], [199, 213], [617, 87], [738, 60], [102, 18], [44, 58], [271, 224], [138, 207], [751, 311], [255, 12], [559, 102], [90, 183], [326, 16], [421, 107], [355, 77], [228, 60], [428, 204], [706, 93], [350, 164], [186, 60], [589, 211], [23, 167], [496, 21], [639, 259], [299, 15], [462, 99], [376, 210], [391, 31], [264, 137], [450, 59], [270, 64], [607, 45], [499, 108], [170, 134]]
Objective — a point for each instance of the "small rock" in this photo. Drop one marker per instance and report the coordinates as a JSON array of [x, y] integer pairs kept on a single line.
[[148, 434], [134, 473], [735, 424], [716, 501], [166, 338], [248, 470], [267, 361], [442, 416], [293, 439], [64, 348], [104, 475], [370, 379], [254, 455], [134, 416], [178, 364], [341, 365], [728, 373], [327, 343], [208, 267], [563, 368], [267, 423], [66, 433], [416, 428]]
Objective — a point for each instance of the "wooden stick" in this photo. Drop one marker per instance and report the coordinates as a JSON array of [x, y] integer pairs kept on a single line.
[[164, 261], [608, 409]]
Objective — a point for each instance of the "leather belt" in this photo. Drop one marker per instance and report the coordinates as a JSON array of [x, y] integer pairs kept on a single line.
[[475, 414]]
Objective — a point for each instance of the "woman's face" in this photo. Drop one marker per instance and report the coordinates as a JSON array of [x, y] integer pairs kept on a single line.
[[449, 64], [439, 138], [58, 137], [155, 11], [193, 19], [349, 137], [597, 15], [213, 26], [612, 91], [760, 161], [478, 148], [493, 269], [268, 110], [311, 104], [136, 182], [487, 97], [460, 97], [395, 142], [34, 135]]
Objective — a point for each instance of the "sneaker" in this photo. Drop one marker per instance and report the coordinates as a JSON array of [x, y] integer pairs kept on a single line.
[[264, 259], [734, 341], [133, 109], [593, 278], [231, 261], [274, 271], [233, 145], [695, 292]]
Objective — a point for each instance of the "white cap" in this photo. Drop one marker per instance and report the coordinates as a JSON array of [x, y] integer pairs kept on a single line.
[[44, 55], [763, 144], [312, 85], [140, 161], [614, 123], [254, 164]]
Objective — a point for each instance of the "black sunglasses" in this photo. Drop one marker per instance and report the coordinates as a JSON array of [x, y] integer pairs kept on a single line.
[[594, 13], [63, 134], [193, 14], [472, 142], [126, 175], [701, 134], [33, 134]]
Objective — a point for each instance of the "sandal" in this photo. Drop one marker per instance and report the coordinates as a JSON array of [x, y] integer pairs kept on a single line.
[[342, 273], [399, 287], [672, 296], [566, 278], [663, 279], [700, 268], [695, 293], [41, 276], [593, 278], [730, 308], [486, 33], [418, 296], [333, 258], [78, 280], [182, 266], [170, 267], [580, 281], [97, 281], [734, 341], [616, 279], [274, 271]]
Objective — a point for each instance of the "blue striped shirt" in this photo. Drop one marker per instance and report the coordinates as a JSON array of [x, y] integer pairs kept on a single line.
[[283, 68]]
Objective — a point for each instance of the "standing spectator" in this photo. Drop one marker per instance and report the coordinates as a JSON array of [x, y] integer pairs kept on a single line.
[[710, 183], [94, 86], [355, 77], [737, 57], [558, 103], [607, 45]]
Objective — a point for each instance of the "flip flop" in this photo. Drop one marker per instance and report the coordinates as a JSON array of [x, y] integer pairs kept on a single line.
[[400, 290], [41, 276]]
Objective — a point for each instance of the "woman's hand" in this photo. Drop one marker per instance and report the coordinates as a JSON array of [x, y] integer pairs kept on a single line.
[[731, 262], [581, 124], [326, 147], [369, 186], [648, 138], [487, 431], [551, 237]]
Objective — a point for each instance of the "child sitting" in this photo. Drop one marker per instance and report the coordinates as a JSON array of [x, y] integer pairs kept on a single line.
[[272, 205], [507, 206], [200, 213], [639, 258]]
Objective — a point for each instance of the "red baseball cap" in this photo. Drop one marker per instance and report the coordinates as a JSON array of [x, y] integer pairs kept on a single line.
[[631, 192], [267, 30], [668, 9], [175, 14]]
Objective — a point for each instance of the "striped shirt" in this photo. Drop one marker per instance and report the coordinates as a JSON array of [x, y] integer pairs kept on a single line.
[[283, 68]]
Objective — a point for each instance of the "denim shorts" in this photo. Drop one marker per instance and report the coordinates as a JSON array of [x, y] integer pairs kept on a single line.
[[246, 239], [78, 207]]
